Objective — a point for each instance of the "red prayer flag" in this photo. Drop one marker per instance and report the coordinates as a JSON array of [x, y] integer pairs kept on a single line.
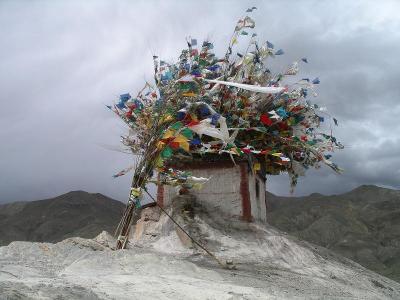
[[266, 120]]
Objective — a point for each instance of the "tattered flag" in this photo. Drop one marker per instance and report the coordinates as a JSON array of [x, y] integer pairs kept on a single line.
[[270, 45], [316, 81]]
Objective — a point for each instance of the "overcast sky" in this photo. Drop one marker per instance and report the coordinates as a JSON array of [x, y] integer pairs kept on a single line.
[[61, 61]]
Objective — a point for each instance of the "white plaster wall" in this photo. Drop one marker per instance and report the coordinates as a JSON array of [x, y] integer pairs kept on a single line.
[[220, 193], [258, 209]]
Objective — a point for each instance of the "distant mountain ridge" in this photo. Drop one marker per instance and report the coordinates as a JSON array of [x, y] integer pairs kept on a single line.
[[363, 224], [76, 213]]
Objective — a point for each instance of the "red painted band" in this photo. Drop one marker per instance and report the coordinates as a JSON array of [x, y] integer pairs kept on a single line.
[[160, 193], [244, 191]]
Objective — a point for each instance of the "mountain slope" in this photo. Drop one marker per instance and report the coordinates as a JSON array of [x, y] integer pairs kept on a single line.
[[161, 264], [363, 225], [76, 213]]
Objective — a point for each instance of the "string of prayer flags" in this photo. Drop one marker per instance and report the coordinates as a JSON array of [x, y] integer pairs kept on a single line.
[[223, 107]]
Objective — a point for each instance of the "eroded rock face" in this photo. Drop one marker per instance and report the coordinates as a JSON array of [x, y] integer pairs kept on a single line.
[[145, 225], [153, 223], [105, 239]]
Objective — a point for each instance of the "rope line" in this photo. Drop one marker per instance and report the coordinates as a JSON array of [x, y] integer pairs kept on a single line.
[[185, 232]]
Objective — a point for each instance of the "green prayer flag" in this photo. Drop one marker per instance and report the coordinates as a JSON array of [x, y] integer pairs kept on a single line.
[[187, 133], [167, 152], [176, 126]]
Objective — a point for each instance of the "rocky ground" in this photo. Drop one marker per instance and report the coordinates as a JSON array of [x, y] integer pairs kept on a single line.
[[162, 263]]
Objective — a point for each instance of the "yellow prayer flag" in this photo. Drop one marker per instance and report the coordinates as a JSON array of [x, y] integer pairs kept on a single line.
[[160, 145], [189, 94], [183, 142], [180, 139], [276, 154], [184, 146], [169, 133], [167, 118], [136, 192]]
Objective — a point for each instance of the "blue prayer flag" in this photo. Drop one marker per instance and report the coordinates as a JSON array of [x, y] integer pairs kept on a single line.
[[124, 97], [316, 81]]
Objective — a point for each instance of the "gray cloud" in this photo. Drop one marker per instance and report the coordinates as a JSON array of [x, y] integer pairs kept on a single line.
[[62, 60]]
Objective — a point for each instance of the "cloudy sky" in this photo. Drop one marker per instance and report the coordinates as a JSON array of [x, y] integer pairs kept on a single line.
[[61, 61]]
